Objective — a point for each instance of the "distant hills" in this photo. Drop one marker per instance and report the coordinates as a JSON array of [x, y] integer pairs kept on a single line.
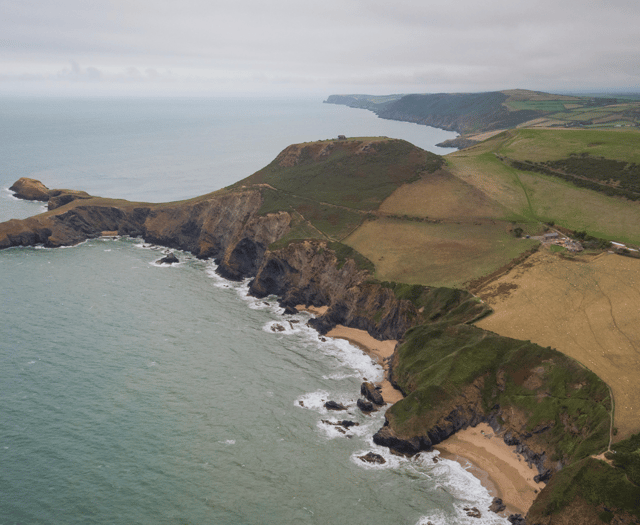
[[471, 114]]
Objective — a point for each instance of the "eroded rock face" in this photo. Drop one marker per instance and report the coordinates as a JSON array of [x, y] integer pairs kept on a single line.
[[226, 227], [308, 273]]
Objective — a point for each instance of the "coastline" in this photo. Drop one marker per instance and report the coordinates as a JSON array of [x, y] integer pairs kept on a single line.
[[379, 351], [503, 472], [500, 470]]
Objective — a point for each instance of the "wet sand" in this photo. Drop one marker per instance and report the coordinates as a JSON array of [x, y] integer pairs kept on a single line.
[[503, 472], [379, 350]]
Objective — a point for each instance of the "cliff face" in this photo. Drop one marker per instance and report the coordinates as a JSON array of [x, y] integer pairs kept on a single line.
[[226, 227], [456, 375], [308, 273]]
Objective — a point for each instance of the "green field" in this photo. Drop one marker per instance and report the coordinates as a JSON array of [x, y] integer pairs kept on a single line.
[[536, 197]]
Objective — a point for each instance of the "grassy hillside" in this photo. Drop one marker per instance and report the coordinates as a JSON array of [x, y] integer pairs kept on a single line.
[[438, 364], [420, 219]]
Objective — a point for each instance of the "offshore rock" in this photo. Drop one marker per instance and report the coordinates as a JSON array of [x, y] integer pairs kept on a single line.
[[365, 406], [33, 190], [372, 457], [170, 258], [334, 405], [372, 393]]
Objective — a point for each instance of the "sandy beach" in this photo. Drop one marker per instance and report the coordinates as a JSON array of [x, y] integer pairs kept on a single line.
[[378, 350], [503, 472]]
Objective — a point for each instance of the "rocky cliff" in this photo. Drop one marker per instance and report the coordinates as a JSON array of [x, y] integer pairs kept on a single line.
[[225, 226]]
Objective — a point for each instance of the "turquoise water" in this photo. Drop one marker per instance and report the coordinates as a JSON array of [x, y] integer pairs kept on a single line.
[[135, 393]]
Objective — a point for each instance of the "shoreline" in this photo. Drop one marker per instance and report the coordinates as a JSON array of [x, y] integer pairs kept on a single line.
[[479, 450], [379, 351], [501, 471]]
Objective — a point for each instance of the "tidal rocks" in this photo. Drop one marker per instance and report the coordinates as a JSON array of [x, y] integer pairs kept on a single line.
[[170, 258], [372, 393], [473, 512], [290, 310], [365, 406], [497, 505], [517, 519], [334, 405], [344, 423], [372, 457]]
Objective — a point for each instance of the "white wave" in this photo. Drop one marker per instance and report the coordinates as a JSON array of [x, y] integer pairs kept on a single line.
[[162, 265], [316, 400], [469, 492], [339, 376]]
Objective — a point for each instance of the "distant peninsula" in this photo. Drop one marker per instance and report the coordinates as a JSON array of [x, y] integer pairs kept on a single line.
[[476, 115], [381, 236]]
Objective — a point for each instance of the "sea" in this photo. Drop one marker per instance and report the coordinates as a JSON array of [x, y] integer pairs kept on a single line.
[[135, 393]]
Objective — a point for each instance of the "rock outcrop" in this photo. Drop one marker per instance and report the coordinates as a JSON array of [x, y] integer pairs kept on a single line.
[[33, 190], [30, 190], [224, 226]]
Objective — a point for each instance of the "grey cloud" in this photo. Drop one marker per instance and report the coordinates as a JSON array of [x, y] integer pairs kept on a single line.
[[408, 45]]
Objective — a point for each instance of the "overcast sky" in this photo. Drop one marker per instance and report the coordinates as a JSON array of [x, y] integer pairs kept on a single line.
[[317, 48]]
